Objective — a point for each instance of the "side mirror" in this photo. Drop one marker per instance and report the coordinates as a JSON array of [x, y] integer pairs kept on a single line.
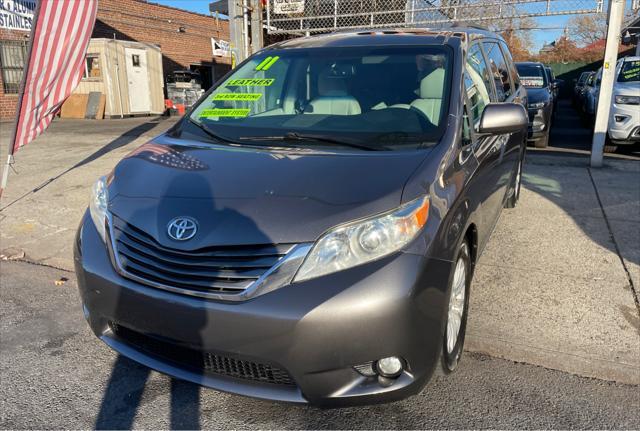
[[502, 118]]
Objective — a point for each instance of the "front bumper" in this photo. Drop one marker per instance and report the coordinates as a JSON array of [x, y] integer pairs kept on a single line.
[[539, 122], [316, 331], [624, 124]]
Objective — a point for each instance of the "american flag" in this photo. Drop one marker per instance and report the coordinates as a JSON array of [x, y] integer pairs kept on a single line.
[[59, 40]]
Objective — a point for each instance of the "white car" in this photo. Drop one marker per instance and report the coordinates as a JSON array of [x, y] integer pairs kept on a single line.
[[624, 118]]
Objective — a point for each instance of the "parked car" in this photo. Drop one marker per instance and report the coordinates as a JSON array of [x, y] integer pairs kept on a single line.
[[583, 91], [554, 84], [308, 232], [624, 117], [535, 79], [590, 97], [579, 84]]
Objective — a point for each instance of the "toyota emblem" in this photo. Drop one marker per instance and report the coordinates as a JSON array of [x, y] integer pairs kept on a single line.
[[182, 228]]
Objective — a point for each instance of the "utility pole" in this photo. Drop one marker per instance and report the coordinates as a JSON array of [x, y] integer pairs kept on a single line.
[[236, 27], [614, 21], [257, 41]]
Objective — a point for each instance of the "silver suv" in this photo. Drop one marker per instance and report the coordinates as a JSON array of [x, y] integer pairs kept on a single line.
[[624, 118]]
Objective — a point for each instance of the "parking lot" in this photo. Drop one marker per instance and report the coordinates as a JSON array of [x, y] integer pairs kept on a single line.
[[553, 338]]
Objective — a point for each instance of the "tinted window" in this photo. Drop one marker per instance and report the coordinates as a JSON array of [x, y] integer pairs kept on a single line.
[[532, 75], [630, 71], [477, 82], [499, 70], [511, 65], [363, 94], [583, 77]]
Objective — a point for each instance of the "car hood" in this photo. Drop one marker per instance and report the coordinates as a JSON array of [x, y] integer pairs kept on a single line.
[[627, 88], [252, 196], [537, 95]]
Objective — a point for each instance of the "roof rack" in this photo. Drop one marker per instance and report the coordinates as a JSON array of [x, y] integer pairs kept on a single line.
[[458, 24]]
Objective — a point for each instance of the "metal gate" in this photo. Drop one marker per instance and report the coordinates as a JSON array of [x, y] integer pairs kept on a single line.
[[317, 16], [303, 17]]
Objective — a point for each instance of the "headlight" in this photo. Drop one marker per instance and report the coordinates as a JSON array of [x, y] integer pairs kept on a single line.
[[362, 241], [98, 205], [628, 100], [538, 105]]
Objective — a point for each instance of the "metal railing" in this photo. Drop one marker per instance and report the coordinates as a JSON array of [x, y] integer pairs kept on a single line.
[[318, 16]]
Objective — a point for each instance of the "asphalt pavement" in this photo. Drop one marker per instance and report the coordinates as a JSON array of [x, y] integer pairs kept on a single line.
[[56, 374], [555, 297]]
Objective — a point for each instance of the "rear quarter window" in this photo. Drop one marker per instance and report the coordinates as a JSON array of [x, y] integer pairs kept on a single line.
[[499, 70]]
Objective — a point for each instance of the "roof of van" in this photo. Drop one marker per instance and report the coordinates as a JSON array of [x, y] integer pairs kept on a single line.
[[386, 36]]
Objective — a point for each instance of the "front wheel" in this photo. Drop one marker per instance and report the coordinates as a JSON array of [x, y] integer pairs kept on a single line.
[[457, 310], [543, 142]]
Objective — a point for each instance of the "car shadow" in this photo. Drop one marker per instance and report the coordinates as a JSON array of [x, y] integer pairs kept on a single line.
[[128, 386]]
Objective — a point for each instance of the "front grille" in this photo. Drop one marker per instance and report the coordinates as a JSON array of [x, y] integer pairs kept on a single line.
[[222, 269], [204, 362], [231, 367]]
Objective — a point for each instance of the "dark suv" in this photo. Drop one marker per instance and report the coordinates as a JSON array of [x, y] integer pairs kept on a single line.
[[541, 100], [309, 230]]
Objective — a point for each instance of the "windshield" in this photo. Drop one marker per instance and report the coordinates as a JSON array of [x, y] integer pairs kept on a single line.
[[630, 71], [385, 97], [583, 77], [532, 75]]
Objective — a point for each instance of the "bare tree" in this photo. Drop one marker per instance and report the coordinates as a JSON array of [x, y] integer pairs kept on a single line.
[[587, 29]]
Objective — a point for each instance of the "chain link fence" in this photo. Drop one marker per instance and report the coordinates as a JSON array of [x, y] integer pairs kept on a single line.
[[317, 16]]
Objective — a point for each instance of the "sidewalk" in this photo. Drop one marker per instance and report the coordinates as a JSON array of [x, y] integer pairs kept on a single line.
[[555, 286]]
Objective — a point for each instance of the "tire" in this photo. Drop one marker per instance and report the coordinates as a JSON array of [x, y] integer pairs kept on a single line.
[[512, 201], [609, 146], [458, 296], [542, 142]]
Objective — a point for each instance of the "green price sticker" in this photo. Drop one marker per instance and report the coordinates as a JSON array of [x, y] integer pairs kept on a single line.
[[631, 72], [250, 82], [252, 97], [267, 63], [219, 112]]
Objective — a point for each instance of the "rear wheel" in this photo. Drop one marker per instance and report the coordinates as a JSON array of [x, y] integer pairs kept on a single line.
[[457, 310], [512, 201]]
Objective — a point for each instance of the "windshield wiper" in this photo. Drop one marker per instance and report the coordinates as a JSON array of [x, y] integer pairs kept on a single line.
[[295, 136], [216, 137]]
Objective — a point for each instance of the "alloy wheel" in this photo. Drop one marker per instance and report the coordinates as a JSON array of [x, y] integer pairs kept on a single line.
[[456, 304]]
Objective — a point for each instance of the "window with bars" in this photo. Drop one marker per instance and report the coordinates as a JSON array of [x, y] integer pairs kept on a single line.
[[13, 55]]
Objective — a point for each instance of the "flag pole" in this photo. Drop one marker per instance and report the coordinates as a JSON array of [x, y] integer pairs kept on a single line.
[[25, 73]]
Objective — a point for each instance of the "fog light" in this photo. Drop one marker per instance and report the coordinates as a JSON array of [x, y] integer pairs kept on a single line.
[[620, 118], [389, 367]]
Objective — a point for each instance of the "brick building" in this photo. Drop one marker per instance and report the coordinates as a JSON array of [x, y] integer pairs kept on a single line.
[[184, 38]]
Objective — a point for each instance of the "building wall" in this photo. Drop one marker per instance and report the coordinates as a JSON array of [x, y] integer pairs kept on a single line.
[[141, 21], [148, 22]]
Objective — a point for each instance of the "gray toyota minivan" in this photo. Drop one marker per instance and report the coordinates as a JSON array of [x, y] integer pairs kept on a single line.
[[308, 232]]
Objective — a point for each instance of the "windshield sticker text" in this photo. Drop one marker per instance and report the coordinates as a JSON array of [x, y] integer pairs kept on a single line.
[[250, 82], [532, 82], [220, 112], [251, 97]]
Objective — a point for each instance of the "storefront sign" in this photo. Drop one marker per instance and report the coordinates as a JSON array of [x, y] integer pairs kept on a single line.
[[288, 7], [17, 14], [221, 48]]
